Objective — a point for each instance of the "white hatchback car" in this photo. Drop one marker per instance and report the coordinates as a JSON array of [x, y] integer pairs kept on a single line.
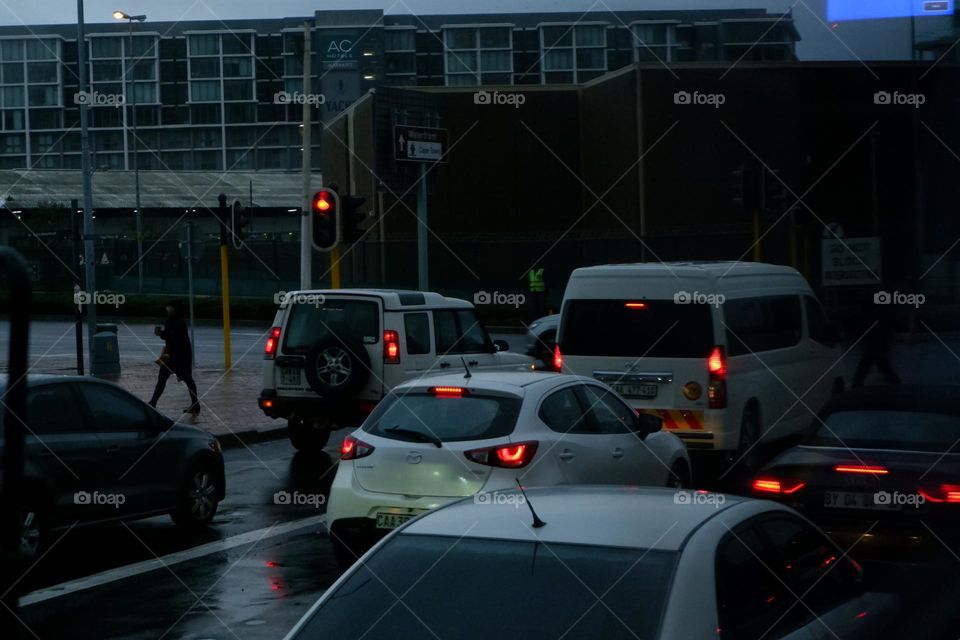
[[441, 438], [605, 563]]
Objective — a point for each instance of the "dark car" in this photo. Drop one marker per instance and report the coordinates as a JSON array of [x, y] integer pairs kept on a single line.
[[95, 453], [884, 454]]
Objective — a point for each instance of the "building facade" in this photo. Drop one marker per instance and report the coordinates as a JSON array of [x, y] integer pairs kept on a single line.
[[221, 96]]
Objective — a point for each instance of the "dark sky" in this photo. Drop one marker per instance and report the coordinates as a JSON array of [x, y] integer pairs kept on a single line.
[[872, 40]]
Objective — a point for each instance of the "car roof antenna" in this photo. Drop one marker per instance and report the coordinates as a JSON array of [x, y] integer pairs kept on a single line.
[[467, 375], [537, 522]]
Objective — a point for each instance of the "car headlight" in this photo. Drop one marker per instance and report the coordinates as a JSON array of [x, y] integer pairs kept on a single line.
[[533, 325]]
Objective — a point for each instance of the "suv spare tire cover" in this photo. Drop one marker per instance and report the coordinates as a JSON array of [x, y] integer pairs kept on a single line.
[[337, 368]]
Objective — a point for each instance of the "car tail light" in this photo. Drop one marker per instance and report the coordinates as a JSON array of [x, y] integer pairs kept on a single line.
[[949, 493], [507, 456], [273, 341], [871, 469], [353, 448], [449, 392], [717, 374], [557, 358], [391, 347], [766, 485]]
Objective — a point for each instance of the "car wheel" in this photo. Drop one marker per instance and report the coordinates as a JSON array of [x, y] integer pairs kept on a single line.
[[304, 437], [679, 477], [337, 368], [198, 498], [749, 454]]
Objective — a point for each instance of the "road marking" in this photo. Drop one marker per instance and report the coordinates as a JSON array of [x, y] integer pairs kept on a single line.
[[137, 568]]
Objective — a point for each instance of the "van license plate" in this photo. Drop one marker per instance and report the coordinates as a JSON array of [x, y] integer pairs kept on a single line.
[[290, 377], [636, 390], [392, 520]]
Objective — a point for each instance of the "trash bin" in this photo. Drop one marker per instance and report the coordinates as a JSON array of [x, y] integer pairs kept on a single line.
[[106, 352]]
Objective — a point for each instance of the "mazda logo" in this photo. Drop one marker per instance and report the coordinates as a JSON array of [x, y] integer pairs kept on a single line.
[[414, 457]]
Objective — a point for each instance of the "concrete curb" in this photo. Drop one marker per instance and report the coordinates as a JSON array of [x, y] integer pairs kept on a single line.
[[247, 437]]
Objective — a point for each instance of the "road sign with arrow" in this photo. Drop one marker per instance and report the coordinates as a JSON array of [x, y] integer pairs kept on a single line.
[[419, 144]]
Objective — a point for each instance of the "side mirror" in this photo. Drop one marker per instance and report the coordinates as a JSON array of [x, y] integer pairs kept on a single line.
[[648, 423], [501, 345]]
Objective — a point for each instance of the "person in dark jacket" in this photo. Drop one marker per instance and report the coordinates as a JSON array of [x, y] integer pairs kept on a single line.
[[877, 342], [177, 358]]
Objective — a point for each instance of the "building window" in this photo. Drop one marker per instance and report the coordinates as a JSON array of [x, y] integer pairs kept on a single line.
[[43, 96], [41, 49], [13, 120], [205, 45], [573, 53], [12, 143], [206, 91], [478, 55], [219, 56], [42, 72], [403, 39], [12, 73], [11, 49], [655, 41], [12, 96], [105, 48]]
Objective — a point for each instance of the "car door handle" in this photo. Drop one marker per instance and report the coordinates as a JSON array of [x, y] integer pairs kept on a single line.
[[617, 453], [566, 455], [113, 448], [444, 365]]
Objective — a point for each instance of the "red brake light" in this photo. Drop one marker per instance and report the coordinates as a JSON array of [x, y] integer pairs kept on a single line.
[[391, 347], [767, 485], [949, 493], [557, 359], [717, 363], [273, 341], [352, 448], [636, 305], [508, 456], [717, 374], [448, 392], [861, 468]]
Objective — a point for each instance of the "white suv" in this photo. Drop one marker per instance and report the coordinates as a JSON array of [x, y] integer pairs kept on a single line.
[[333, 354]]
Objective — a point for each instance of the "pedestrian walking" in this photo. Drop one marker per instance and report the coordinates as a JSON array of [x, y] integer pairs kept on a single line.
[[176, 358], [876, 344]]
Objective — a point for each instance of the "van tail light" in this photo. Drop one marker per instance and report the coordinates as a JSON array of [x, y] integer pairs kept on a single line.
[[273, 341], [717, 379], [353, 448], [506, 456], [947, 493], [557, 358], [391, 347], [767, 485]]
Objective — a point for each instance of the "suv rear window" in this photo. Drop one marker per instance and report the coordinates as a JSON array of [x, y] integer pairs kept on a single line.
[[885, 429], [349, 320], [658, 329], [471, 417]]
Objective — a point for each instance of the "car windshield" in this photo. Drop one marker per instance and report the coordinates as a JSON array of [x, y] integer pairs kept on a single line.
[[452, 587], [876, 429], [448, 419], [312, 321], [620, 328]]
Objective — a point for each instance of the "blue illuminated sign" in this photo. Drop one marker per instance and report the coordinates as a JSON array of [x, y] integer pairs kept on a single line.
[[841, 10]]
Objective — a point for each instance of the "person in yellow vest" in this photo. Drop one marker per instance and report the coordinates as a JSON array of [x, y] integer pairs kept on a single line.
[[538, 290]]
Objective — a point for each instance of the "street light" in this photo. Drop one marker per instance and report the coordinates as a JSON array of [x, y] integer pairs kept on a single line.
[[131, 78]]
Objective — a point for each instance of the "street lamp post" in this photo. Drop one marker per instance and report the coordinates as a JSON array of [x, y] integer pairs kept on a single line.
[[131, 78]]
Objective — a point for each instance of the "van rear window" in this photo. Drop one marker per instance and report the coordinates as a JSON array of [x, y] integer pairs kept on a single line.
[[657, 328], [356, 321]]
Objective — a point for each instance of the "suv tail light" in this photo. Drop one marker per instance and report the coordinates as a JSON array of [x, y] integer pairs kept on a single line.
[[557, 358], [391, 347], [767, 485], [949, 493], [717, 376], [273, 341], [353, 448], [506, 456]]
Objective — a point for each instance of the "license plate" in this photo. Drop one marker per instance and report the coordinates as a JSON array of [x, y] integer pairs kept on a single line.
[[856, 500], [392, 520], [636, 390], [290, 377]]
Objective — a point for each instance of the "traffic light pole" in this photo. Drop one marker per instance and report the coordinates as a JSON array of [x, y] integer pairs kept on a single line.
[[225, 280], [89, 259], [306, 256], [423, 257]]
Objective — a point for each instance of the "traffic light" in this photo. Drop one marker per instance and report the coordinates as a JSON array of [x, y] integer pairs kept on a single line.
[[774, 191], [324, 219], [745, 187], [240, 217], [352, 217]]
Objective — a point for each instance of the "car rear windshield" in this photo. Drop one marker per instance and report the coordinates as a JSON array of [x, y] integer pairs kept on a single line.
[[877, 429], [654, 328], [450, 419], [310, 322], [468, 588]]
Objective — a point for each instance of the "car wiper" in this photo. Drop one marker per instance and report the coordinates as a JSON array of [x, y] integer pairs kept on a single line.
[[419, 436]]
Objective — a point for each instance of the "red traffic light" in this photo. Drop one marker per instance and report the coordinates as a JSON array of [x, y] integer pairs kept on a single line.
[[323, 202]]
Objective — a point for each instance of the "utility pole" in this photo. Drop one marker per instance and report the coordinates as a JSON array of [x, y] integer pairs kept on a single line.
[[193, 339], [90, 259], [224, 279], [78, 283], [306, 257]]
